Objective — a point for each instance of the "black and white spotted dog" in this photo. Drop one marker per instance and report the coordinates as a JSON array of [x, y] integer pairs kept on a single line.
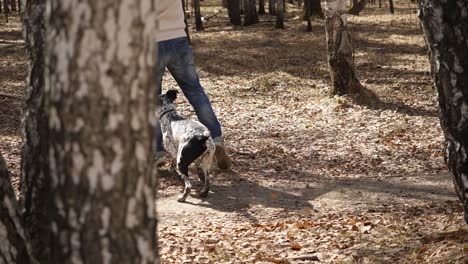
[[187, 141]]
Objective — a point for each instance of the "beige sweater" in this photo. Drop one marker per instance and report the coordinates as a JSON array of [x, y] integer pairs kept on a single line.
[[170, 17]]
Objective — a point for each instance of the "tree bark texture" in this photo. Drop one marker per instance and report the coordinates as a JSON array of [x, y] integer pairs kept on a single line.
[[280, 14], [13, 245], [35, 178], [251, 16], [99, 90], [340, 50], [445, 26], [198, 17], [234, 12]]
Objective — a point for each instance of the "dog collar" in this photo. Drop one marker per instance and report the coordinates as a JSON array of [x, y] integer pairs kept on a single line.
[[165, 112]]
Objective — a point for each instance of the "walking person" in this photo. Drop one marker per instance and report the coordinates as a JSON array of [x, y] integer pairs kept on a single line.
[[175, 54]]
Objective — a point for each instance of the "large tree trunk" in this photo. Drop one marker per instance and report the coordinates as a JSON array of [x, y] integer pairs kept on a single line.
[[340, 50], [35, 178], [251, 16], [280, 14], [13, 247], [315, 9], [99, 91], [445, 26], [234, 12], [198, 18]]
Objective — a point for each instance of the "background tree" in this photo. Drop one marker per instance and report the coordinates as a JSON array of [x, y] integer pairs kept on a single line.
[[340, 50], [315, 9], [261, 7], [198, 16], [13, 5], [392, 9], [251, 16], [308, 15], [280, 14], [445, 26], [35, 178], [357, 7], [272, 7], [234, 12]]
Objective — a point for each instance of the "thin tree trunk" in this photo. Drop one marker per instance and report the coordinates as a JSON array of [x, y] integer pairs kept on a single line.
[[6, 9], [234, 12], [14, 247], [251, 16], [35, 178], [392, 10], [184, 7], [340, 50], [261, 7], [272, 7], [445, 25], [13, 5], [198, 18], [280, 14], [1, 8], [100, 100], [309, 22], [357, 7]]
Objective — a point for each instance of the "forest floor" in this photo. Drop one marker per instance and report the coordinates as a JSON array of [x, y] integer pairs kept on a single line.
[[315, 179]]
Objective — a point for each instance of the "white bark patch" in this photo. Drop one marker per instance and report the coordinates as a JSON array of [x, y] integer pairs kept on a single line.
[[105, 252], [145, 250], [135, 123], [78, 163], [127, 12], [140, 152], [107, 182], [79, 125], [96, 170], [114, 120], [117, 164], [464, 115], [105, 220], [131, 219], [75, 248], [54, 120]]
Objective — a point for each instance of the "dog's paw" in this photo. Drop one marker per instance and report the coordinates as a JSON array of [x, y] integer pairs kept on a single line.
[[183, 197]]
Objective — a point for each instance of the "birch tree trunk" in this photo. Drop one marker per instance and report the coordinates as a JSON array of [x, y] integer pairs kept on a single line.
[[13, 247], [445, 25], [35, 179], [340, 50], [99, 98]]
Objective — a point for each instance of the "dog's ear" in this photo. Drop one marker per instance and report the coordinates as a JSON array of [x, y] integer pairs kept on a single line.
[[172, 94]]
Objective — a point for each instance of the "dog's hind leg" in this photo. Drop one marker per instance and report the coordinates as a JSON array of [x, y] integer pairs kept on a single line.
[[182, 169], [204, 174]]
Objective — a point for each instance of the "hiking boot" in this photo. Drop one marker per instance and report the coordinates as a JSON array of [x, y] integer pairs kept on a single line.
[[222, 159]]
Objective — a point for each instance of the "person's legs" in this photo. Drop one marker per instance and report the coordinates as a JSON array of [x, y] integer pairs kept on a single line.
[[182, 68], [163, 56]]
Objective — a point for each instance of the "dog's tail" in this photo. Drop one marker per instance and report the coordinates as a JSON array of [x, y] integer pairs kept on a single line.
[[194, 148]]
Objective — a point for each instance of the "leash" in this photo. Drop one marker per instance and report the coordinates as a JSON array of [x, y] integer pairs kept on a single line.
[[165, 112]]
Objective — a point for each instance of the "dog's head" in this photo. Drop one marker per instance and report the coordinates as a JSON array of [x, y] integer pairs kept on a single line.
[[166, 102]]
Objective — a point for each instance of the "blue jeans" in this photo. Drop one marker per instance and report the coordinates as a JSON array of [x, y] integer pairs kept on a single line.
[[176, 55]]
